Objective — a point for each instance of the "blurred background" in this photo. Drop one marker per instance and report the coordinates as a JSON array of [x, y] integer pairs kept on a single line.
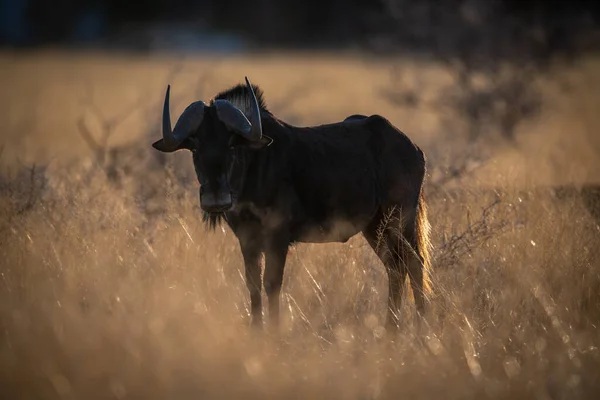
[[499, 27]]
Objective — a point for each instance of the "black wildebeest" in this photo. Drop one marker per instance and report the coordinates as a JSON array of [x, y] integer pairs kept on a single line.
[[275, 184]]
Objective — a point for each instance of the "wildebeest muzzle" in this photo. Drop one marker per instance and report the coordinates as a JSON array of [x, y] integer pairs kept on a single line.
[[216, 196]]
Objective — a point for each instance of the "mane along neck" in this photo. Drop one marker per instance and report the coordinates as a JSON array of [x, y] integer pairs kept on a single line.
[[241, 97]]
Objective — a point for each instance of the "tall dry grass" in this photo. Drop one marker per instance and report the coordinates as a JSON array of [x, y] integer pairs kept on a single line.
[[111, 288]]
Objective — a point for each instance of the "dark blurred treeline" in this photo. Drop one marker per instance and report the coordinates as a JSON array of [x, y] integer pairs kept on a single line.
[[415, 25]]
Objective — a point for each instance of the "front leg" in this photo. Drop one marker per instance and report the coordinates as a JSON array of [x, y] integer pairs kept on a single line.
[[275, 258], [252, 266], [251, 246]]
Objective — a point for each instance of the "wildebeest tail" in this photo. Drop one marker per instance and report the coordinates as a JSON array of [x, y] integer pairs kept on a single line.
[[423, 231]]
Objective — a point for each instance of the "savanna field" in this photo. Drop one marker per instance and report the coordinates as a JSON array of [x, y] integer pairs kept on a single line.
[[111, 287]]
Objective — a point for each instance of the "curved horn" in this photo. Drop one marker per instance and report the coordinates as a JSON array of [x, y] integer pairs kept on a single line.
[[166, 121], [233, 117], [187, 124], [254, 117]]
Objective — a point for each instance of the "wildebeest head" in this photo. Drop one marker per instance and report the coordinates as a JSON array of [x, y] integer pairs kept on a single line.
[[214, 134]]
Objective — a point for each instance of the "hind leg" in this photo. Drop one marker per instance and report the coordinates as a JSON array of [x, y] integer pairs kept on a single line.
[[415, 273], [382, 240], [396, 279], [415, 267]]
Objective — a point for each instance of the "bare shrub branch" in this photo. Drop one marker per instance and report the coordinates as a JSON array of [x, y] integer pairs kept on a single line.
[[477, 232], [107, 159]]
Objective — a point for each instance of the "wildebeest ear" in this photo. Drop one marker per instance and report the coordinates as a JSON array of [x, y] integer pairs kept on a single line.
[[241, 141], [264, 141], [161, 146]]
